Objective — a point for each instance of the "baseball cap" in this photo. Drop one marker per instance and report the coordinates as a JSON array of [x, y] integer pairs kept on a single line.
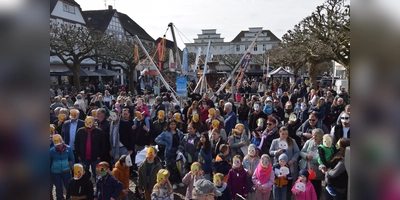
[[204, 186]]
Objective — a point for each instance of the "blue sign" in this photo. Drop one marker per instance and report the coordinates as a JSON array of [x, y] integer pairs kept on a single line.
[[181, 82]]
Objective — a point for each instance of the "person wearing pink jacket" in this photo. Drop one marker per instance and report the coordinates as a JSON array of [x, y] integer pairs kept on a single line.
[[309, 193], [263, 178]]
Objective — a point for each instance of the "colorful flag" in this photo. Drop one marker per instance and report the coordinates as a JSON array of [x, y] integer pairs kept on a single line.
[[171, 61], [246, 60]]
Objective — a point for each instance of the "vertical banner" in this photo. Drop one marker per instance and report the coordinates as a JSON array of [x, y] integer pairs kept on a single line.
[[171, 61], [196, 62], [160, 55], [185, 65], [181, 88]]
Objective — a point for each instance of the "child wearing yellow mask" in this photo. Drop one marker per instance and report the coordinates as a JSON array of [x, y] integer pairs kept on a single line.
[[191, 177], [222, 187], [163, 188]]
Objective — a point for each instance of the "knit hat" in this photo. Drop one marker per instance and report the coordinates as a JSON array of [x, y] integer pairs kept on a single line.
[[283, 157], [204, 186], [304, 172]]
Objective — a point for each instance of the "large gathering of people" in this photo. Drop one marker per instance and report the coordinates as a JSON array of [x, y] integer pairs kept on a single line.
[[274, 140]]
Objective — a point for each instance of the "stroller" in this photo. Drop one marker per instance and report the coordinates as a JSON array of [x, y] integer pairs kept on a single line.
[[176, 168]]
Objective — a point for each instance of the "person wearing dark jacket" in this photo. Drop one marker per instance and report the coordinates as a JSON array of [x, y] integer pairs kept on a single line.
[[222, 187], [243, 114], [255, 116], [89, 144], [104, 125], [292, 127], [148, 170], [70, 128], [107, 186], [80, 186], [216, 142]]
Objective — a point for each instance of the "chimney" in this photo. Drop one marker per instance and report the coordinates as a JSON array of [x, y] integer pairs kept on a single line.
[[110, 7]]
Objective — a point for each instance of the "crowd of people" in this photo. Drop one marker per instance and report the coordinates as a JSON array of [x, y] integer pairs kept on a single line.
[[286, 141]]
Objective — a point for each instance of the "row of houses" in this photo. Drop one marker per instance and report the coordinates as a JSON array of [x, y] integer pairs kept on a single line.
[[121, 25]]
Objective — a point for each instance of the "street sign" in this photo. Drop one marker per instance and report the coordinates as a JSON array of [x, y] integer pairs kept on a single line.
[[181, 82]]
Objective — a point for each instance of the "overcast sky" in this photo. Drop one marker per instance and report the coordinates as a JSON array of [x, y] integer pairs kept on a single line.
[[229, 17]]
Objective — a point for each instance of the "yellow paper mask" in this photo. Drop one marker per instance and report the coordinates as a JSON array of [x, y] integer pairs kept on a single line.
[[139, 115], [177, 117], [217, 180], [52, 130], [239, 127], [211, 112], [94, 113], [195, 117], [57, 139], [62, 117], [162, 176], [73, 114], [215, 123], [151, 152], [161, 114], [194, 168], [260, 122], [89, 122], [78, 171]]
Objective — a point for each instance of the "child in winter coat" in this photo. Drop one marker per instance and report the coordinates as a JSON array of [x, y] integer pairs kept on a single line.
[[163, 189], [144, 110], [80, 186], [250, 163], [237, 178], [307, 186], [221, 164], [191, 177], [222, 187], [326, 151], [146, 180], [280, 170], [238, 140], [121, 173], [107, 186], [263, 178]]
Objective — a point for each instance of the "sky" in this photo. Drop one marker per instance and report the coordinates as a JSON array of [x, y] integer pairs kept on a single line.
[[229, 17]]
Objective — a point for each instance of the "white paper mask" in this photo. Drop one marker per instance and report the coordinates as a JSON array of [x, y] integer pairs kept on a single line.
[[283, 145], [292, 117], [303, 106], [256, 106], [113, 116], [300, 186], [128, 161], [327, 141], [284, 170], [345, 118]]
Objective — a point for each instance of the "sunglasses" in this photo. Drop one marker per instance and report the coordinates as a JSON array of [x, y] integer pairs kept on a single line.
[[270, 124], [344, 118], [312, 120]]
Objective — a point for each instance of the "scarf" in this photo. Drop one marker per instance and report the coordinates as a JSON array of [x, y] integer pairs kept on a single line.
[[262, 173], [265, 135], [114, 139], [62, 150]]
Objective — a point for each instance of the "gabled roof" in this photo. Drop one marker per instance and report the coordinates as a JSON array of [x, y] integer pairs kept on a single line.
[[53, 4], [133, 28], [269, 34], [98, 19]]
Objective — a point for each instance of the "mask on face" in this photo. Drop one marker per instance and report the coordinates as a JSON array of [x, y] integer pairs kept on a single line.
[[78, 171], [217, 181], [240, 127], [113, 116], [57, 140], [282, 144], [62, 117], [345, 118], [327, 141], [292, 117], [194, 169], [150, 153], [52, 130], [260, 122], [161, 114], [73, 114], [177, 117], [94, 113], [215, 123], [195, 117], [162, 177], [264, 161], [211, 112], [236, 163], [128, 161], [89, 122], [256, 107], [251, 150], [303, 106], [101, 170]]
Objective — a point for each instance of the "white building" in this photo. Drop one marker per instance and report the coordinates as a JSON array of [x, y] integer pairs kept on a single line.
[[266, 40]]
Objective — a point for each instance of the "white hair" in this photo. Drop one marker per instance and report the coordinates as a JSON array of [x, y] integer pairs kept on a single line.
[[228, 105]]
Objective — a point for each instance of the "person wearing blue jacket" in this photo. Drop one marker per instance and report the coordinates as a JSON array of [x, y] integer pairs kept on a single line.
[[107, 186], [204, 155], [61, 161]]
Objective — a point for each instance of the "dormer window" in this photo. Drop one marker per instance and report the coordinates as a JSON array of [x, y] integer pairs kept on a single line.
[[68, 8]]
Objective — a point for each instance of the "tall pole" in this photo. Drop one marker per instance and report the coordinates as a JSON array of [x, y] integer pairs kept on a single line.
[[177, 57], [154, 65], [205, 68]]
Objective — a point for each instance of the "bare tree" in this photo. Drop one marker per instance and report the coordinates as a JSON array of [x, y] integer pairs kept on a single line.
[[73, 44], [230, 60]]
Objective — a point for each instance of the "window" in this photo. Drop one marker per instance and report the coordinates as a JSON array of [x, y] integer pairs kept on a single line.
[[68, 8], [255, 47], [264, 47], [237, 47], [221, 47], [246, 47]]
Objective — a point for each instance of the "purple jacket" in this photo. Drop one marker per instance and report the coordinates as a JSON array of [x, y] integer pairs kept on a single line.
[[237, 182]]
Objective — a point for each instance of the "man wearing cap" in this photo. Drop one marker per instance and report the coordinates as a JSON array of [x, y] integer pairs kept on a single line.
[[204, 190]]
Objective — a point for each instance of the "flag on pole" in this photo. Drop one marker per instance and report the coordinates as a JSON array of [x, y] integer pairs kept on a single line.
[[267, 68], [185, 64]]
